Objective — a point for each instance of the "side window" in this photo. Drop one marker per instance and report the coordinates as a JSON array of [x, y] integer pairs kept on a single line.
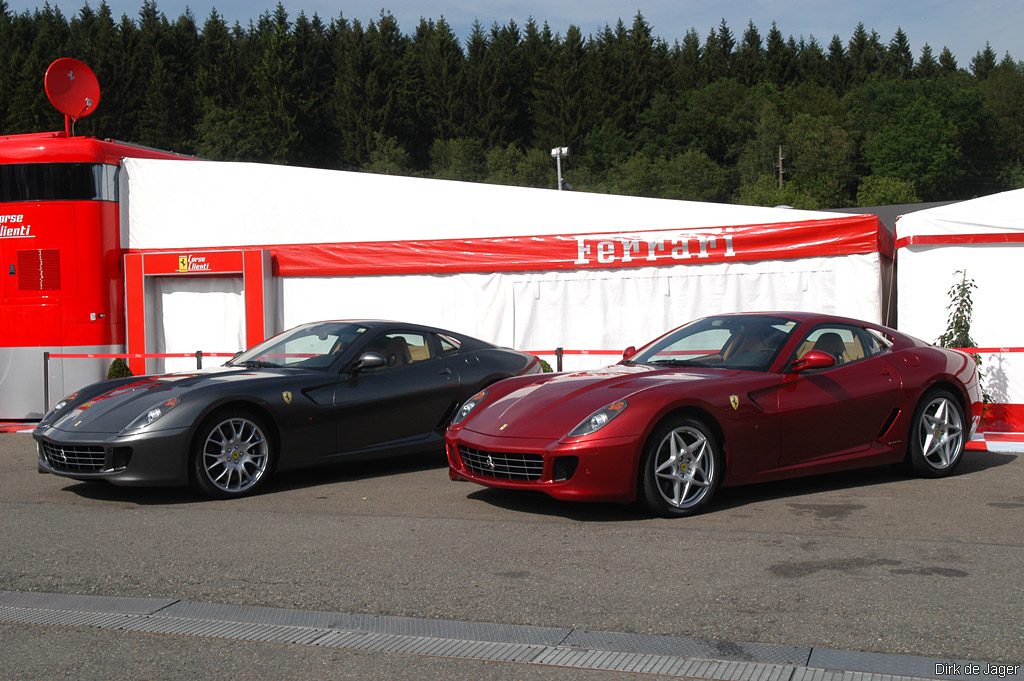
[[875, 342], [401, 348], [448, 344], [845, 343]]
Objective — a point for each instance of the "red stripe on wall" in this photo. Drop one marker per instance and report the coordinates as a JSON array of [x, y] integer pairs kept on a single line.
[[957, 239]]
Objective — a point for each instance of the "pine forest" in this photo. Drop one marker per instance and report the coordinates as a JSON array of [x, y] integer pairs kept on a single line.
[[735, 116]]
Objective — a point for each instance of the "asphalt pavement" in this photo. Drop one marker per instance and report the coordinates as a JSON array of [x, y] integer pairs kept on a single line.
[[869, 566]]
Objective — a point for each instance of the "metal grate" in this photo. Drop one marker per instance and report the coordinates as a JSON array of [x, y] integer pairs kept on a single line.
[[39, 270], [555, 647], [502, 465], [73, 458]]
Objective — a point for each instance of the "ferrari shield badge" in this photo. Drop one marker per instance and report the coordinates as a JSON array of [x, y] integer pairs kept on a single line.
[[734, 400], [287, 397]]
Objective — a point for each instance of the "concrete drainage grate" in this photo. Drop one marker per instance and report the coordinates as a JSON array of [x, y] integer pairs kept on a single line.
[[558, 647], [461, 648]]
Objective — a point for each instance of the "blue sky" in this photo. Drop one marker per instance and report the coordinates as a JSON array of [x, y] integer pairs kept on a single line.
[[962, 26]]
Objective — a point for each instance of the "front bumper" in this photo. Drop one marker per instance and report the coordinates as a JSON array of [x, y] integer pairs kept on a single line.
[[587, 470], [158, 458]]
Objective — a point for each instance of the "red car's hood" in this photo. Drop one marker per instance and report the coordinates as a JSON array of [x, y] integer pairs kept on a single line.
[[550, 408]]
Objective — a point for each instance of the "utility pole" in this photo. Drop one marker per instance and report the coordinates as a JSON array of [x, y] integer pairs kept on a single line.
[[781, 171]]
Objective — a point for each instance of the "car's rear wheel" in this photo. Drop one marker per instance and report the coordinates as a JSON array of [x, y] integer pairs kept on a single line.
[[680, 469], [937, 435], [231, 456]]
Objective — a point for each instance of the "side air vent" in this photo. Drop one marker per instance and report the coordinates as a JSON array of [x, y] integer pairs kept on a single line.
[[893, 415], [39, 270]]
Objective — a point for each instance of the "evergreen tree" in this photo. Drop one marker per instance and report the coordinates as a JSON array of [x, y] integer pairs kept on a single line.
[[348, 94], [984, 62], [865, 54], [686, 58], [646, 62], [899, 60], [810, 62], [559, 113], [749, 59], [837, 67], [317, 135], [438, 60], [927, 66], [717, 55], [780, 62], [947, 62], [605, 76], [45, 38]]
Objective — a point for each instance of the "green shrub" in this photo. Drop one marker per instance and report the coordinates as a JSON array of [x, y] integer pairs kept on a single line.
[[118, 369]]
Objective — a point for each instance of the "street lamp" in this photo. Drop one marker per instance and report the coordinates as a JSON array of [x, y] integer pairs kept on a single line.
[[558, 153]]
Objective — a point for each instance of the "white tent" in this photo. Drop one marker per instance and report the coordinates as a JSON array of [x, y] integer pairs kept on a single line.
[[527, 268], [982, 239]]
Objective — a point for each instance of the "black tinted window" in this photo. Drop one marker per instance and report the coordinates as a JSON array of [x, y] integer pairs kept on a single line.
[[58, 182]]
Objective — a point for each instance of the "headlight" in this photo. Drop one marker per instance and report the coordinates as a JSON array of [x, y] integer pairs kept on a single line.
[[57, 409], [599, 419], [468, 407], [149, 416]]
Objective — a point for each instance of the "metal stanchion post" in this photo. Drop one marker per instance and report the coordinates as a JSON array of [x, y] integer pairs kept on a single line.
[[199, 359], [558, 358], [46, 382]]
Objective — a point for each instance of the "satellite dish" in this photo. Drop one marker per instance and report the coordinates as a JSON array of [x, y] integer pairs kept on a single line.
[[72, 88]]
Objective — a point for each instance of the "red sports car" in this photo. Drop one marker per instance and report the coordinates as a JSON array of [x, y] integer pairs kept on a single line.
[[726, 400]]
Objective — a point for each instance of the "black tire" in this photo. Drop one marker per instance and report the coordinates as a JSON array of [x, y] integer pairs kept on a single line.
[[231, 455], [937, 436], [680, 469]]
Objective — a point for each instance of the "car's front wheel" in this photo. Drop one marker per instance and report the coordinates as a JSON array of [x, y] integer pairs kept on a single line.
[[680, 469], [231, 456], [937, 436]]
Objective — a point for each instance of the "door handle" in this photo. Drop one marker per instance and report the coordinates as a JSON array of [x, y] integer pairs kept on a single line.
[[446, 370]]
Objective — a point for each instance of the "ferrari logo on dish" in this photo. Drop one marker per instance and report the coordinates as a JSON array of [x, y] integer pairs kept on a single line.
[[734, 400], [287, 397]]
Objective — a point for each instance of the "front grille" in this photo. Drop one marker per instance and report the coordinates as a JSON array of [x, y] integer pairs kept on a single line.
[[73, 458], [502, 465]]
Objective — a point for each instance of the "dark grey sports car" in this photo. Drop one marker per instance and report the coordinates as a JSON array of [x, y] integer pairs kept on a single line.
[[319, 392]]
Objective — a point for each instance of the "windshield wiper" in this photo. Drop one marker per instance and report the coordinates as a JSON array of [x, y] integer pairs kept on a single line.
[[678, 362], [259, 364]]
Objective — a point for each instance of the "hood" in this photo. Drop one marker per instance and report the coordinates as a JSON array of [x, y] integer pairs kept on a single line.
[[111, 410], [550, 408]]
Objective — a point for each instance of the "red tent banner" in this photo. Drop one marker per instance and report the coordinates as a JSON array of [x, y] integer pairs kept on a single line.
[[611, 250]]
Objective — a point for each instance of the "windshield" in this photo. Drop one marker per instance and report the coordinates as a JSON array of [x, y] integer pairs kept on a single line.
[[311, 346], [733, 342]]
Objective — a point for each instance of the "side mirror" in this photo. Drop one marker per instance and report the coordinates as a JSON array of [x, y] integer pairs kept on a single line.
[[629, 352], [368, 360], [813, 359]]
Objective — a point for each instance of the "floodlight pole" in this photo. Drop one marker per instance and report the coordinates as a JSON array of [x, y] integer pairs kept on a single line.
[[558, 153]]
